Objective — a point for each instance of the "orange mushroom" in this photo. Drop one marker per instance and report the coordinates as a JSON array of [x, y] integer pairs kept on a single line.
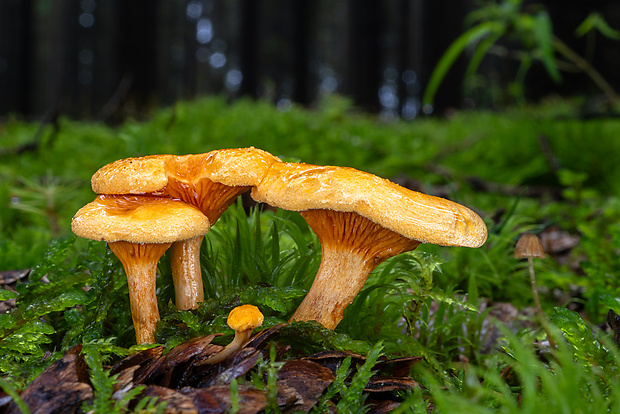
[[360, 220], [210, 181], [139, 230], [243, 320]]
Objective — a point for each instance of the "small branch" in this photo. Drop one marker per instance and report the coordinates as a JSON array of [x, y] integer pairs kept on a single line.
[[481, 185], [545, 147], [117, 98], [585, 66], [50, 118]]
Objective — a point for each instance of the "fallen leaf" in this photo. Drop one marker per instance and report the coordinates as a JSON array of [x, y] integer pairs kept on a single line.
[[216, 399], [308, 378], [61, 388], [176, 402]]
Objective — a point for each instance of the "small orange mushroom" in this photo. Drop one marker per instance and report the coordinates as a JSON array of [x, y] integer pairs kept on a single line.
[[139, 230], [360, 220], [243, 320]]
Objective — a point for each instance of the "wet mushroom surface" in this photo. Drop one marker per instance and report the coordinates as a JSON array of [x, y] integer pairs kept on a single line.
[[211, 181], [139, 230], [360, 220]]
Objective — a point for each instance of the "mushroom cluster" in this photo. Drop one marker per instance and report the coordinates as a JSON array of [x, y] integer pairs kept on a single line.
[[203, 184], [359, 218], [211, 182]]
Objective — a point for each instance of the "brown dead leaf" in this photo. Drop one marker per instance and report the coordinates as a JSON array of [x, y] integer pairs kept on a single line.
[[382, 406], [61, 388], [225, 372], [176, 402], [399, 367], [8, 277], [308, 378], [556, 241], [216, 399], [390, 384]]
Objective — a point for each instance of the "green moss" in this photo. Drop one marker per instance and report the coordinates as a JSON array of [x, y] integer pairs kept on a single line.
[[427, 302]]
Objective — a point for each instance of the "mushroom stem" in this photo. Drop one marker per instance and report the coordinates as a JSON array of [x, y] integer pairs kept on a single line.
[[340, 277], [186, 274], [529, 246], [212, 199], [539, 309], [241, 337], [140, 263], [352, 246]]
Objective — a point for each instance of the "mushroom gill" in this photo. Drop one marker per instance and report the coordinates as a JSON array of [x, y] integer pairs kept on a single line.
[[351, 247]]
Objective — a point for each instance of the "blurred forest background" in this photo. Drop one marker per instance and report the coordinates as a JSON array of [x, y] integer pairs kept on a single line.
[[105, 60]]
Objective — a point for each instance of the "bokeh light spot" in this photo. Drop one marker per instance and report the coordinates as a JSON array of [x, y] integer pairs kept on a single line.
[[217, 60], [86, 56], [194, 10], [234, 77], [284, 105], [87, 20], [204, 31]]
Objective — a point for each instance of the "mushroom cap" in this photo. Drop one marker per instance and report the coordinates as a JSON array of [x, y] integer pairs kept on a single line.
[[131, 176], [245, 317], [529, 245], [150, 174], [233, 167], [139, 219], [428, 219]]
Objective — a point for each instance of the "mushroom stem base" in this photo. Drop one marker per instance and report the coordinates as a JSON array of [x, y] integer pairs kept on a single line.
[[186, 274], [340, 278]]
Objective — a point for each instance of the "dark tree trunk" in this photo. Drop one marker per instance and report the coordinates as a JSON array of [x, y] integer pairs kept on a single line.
[[363, 77], [138, 49], [250, 41], [442, 23], [301, 49], [15, 56]]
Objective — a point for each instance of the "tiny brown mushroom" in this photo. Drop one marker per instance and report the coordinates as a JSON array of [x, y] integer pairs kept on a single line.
[[242, 319], [360, 220], [139, 230], [528, 247], [210, 181]]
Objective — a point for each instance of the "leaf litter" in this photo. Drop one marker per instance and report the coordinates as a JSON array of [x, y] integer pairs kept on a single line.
[[177, 378]]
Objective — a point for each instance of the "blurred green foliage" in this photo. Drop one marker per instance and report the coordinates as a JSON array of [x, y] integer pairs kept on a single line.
[[41, 189], [521, 31]]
